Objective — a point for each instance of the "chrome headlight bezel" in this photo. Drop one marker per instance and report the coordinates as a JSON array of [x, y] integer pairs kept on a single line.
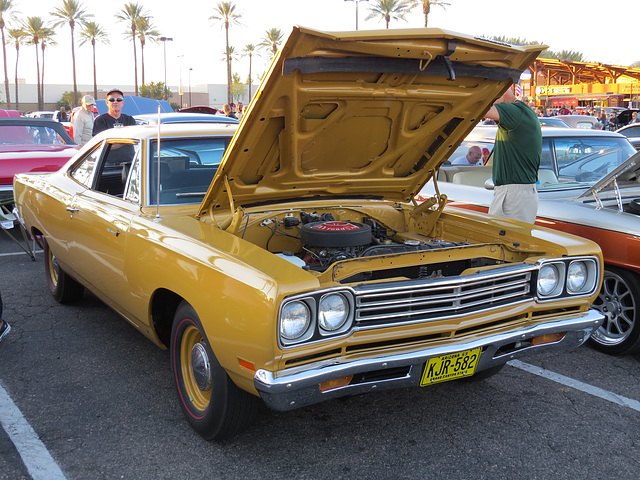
[[325, 325], [317, 331], [565, 285], [591, 277]]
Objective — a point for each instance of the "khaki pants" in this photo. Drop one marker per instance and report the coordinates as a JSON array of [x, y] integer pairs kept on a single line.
[[516, 201]]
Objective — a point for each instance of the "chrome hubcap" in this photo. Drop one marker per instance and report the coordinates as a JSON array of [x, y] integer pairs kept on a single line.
[[201, 367]]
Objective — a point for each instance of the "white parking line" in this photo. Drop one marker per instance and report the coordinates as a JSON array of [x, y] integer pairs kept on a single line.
[[583, 387], [12, 254], [36, 457]]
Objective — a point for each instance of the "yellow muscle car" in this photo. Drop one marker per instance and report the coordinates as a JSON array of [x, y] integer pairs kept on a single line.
[[303, 269]]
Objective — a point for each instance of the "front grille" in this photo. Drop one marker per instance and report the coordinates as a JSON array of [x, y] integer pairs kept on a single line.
[[413, 301]]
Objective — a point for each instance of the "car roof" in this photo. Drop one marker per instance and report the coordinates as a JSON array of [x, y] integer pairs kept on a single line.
[[168, 130], [38, 122], [179, 117], [488, 133]]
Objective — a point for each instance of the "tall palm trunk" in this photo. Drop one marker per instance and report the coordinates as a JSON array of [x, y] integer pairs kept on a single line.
[[6, 76], [95, 77], [250, 60], [73, 61], [226, 27], [16, 81], [38, 77], [42, 45], [135, 63], [142, 60]]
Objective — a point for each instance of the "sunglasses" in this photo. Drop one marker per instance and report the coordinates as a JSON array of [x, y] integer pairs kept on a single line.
[[112, 99]]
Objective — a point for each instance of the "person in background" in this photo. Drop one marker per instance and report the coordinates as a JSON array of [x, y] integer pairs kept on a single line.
[[83, 121], [114, 117], [4, 326], [240, 110], [473, 157], [61, 116], [228, 109], [613, 122], [516, 158], [634, 117]]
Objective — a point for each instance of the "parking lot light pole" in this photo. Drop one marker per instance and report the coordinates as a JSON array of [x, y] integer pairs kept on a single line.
[[164, 41], [190, 86], [356, 2]]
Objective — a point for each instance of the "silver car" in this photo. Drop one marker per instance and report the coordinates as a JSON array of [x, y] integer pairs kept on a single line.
[[588, 185]]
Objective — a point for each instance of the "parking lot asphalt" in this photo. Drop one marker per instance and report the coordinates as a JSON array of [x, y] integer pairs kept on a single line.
[[98, 396]]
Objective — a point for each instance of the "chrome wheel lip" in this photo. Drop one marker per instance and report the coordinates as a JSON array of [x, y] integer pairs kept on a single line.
[[619, 318], [201, 367]]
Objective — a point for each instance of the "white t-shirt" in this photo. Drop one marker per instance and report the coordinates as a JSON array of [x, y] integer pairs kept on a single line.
[[463, 161]]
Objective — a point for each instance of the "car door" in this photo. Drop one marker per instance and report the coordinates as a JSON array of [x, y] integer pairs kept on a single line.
[[100, 222]]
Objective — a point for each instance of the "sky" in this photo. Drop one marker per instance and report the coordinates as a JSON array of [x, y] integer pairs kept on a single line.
[[195, 55]]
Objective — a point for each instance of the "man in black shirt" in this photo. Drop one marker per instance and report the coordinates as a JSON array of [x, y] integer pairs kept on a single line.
[[114, 117]]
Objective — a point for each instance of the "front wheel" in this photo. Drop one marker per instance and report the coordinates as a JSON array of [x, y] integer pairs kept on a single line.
[[63, 288], [618, 301], [214, 406]]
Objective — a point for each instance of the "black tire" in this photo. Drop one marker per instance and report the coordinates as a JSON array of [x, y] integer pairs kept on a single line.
[[213, 405], [618, 301], [63, 288]]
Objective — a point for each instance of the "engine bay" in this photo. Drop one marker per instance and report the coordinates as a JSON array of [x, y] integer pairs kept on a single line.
[[316, 240]]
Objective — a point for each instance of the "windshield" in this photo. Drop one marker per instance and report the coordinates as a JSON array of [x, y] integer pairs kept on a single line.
[[187, 166], [584, 159]]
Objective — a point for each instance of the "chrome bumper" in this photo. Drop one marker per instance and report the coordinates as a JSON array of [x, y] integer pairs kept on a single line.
[[300, 387]]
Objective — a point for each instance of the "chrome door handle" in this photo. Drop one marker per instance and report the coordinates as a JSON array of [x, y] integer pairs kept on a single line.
[[72, 209]]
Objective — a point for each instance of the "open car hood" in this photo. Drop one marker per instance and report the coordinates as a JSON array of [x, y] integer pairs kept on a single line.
[[626, 172], [361, 114]]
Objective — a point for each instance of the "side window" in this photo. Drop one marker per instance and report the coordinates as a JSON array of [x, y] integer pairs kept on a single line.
[[113, 172], [546, 158], [632, 131], [83, 172]]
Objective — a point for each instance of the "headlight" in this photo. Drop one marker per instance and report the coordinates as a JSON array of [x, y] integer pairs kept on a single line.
[[333, 312], [548, 279], [577, 275], [294, 320]]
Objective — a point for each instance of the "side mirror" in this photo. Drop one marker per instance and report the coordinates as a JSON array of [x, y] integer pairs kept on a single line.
[[488, 184]]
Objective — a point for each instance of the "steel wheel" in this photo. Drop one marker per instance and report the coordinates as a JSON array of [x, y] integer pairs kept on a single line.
[[63, 288], [618, 301], [213, 405], [195, 369]]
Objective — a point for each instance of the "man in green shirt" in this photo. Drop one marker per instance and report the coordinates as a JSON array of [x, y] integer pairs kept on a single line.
[[516, 158]]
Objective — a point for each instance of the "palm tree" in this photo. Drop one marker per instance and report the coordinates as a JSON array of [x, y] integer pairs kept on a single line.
[[34, 29], [426, 7], [5, 7], [250, 51], [131, 14], [145, 31], [390, 9], [272, 40], [226, 14], [92, 32], [17, 37], [71, 11], [46, 39]]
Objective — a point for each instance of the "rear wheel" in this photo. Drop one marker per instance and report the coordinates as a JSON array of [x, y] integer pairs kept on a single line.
[[213, 405], [63, 288], [618, 301]]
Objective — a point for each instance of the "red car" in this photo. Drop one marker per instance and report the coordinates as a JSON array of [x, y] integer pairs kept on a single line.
[[31, 145]]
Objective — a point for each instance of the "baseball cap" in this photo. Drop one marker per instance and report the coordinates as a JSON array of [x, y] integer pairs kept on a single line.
[[115, 90], [88, 100]]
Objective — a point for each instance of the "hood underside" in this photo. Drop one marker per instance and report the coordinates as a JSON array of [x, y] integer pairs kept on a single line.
[[361, 114]]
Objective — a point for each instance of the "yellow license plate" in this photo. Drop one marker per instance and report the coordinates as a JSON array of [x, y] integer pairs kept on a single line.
[[450, 367]]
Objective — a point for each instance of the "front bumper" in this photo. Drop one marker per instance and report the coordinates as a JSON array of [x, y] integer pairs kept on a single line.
[[300, 387]]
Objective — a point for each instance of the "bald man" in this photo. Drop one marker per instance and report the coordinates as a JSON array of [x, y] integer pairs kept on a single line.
[[473, 157]]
